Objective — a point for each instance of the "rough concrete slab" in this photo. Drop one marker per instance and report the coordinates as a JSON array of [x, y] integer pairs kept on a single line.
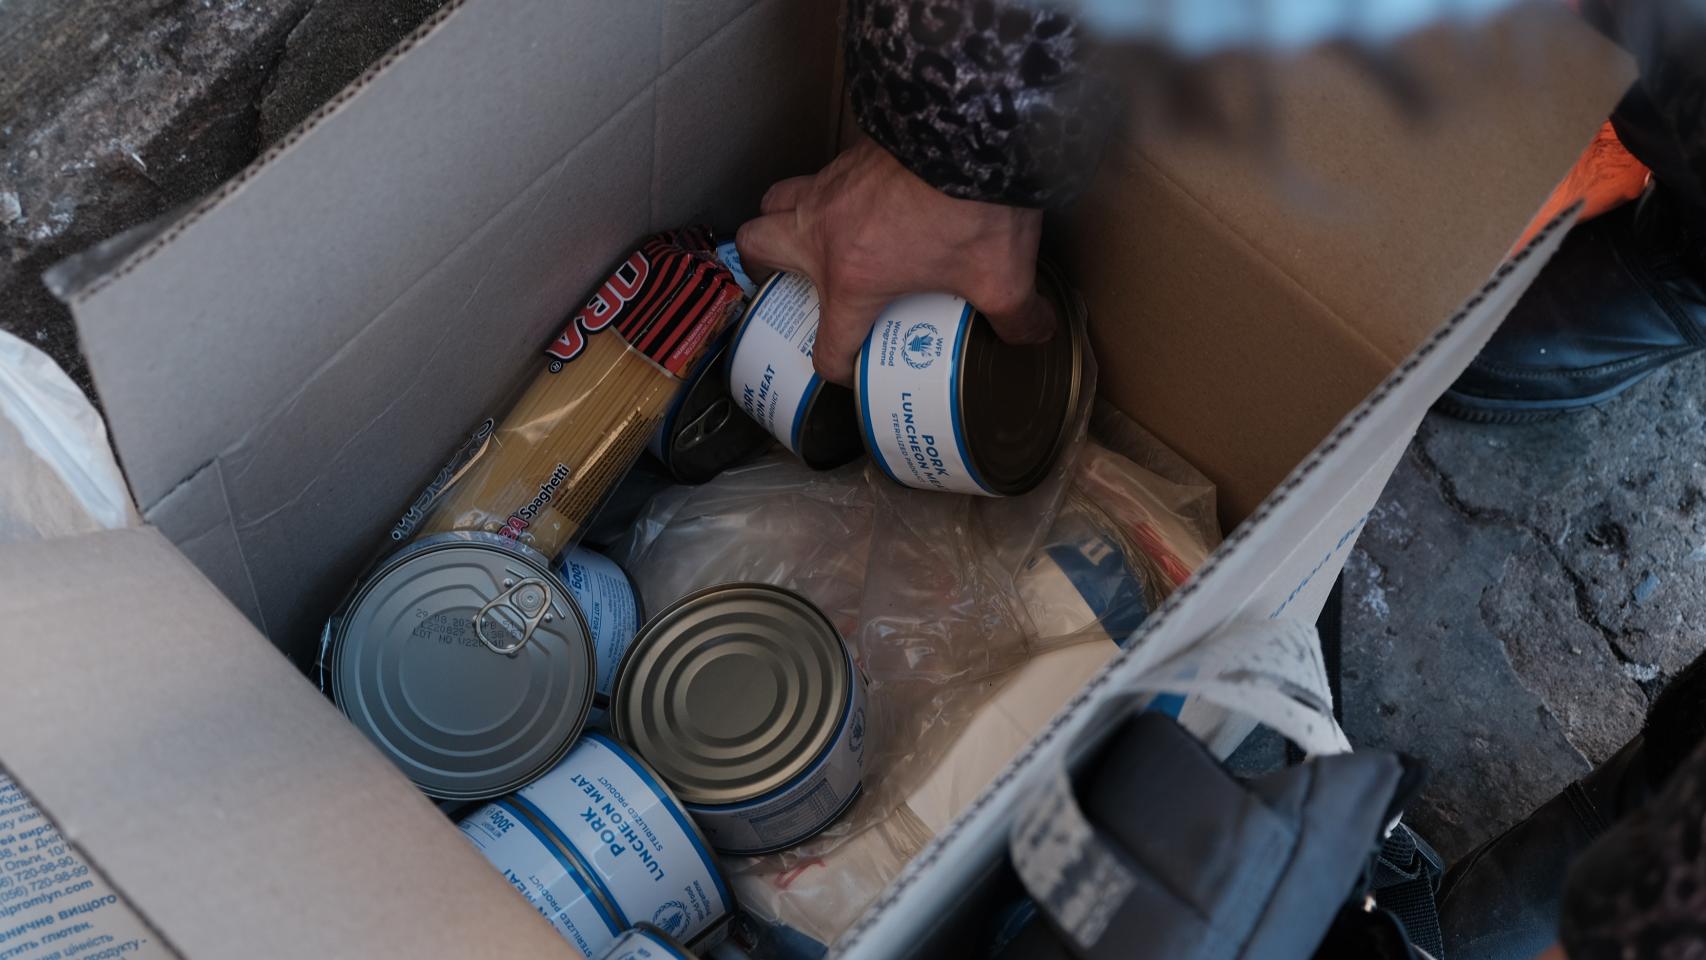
[[1521, 592]]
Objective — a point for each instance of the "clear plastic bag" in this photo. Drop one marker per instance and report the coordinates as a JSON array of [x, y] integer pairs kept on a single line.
[[944, 601]]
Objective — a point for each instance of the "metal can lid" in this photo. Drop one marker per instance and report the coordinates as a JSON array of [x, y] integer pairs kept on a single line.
[[706, 432], [464, 659], [732, 692], [1017, 401]]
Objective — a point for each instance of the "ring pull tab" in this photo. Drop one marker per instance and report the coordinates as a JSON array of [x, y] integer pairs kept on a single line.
[[521, 608], [705, 424]]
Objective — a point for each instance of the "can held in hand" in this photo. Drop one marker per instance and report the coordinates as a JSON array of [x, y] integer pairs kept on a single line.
[[945, 405], [747, 702], [646, 942], [703, 434], [465, 660], [598, 845], [772, 380], [611, 606]]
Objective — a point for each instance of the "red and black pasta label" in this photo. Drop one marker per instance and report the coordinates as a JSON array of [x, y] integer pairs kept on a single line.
[[667, 300]]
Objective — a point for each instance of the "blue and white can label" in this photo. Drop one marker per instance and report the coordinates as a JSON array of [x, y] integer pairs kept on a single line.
[[908, 374], [804, 806], [770, 363], [644, 859], [606, 597], [641, 944], [532, 863]]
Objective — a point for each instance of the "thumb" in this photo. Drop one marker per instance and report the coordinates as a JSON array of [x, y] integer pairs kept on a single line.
[[773, 241], [844, 321]]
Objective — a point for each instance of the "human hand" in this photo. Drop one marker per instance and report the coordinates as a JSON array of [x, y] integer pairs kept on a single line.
[[867, 230]]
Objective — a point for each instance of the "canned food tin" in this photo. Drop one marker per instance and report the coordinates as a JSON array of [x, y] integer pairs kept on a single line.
[[611, 606], [702, 435], [746, 701], [598, 844], [465, 661], [945, 405], [646, 942], [772, 379]]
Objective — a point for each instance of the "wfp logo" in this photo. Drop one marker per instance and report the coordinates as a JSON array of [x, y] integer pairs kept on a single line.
[[671, 918], [856, 736], [921, 346]]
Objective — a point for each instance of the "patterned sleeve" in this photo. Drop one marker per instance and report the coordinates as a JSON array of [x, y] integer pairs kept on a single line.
[[1640, 889], [992, 100]]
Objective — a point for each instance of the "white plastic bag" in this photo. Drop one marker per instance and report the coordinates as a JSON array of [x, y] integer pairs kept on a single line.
[[57, 473]]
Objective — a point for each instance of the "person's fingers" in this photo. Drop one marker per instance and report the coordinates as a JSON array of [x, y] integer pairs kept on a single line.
[[785, 194], [843, 323], [773, 241], [1029, 319]]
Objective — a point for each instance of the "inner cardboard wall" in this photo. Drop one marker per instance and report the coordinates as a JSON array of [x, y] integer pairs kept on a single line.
[[1248, 287]]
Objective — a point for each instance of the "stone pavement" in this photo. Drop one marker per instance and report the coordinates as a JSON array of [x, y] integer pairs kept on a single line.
[[1516, 598], [114, 112], [1521, 592]]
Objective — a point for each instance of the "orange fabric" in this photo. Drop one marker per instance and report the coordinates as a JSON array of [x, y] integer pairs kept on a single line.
[[1605, 177]]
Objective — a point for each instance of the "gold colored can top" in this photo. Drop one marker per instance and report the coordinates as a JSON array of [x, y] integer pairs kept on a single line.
[[733, 692]]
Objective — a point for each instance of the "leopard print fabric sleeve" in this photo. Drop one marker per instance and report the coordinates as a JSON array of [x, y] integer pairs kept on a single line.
[[993, 100]]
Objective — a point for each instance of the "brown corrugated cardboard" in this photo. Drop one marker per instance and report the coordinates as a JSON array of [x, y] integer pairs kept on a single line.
[[284, 366], [1291, 280], [228, 802]]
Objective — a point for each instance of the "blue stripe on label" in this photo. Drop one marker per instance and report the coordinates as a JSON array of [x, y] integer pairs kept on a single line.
[[865, 406], [812, 387], [811, 771], [568, 865], [954, 399], [669, 804]]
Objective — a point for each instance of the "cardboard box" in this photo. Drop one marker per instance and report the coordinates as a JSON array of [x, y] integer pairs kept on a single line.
[[286, 363]]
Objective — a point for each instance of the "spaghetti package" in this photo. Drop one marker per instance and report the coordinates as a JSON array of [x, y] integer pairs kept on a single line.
[[538, 475]]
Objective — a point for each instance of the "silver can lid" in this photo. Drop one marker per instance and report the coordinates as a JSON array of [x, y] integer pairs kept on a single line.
[[466, 662], [1018, 401], [733, 691]]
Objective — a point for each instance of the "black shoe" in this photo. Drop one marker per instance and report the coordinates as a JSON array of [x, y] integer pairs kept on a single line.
[[1624, 296], [1502, 901]]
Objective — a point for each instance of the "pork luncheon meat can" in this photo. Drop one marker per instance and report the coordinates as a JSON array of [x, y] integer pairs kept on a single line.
[[944, 404], [646, 942], [465, 660], [747, 702], [600, 844], [607, 599], [772, 380]]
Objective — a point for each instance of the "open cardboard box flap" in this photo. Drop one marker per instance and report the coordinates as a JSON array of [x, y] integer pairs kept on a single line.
[[286, 364]]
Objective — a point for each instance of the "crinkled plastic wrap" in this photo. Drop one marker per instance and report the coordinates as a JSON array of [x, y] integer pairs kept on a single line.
[[945, 601]]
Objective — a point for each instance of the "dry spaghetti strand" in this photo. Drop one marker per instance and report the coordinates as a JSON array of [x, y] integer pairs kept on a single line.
[[582, 423]]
